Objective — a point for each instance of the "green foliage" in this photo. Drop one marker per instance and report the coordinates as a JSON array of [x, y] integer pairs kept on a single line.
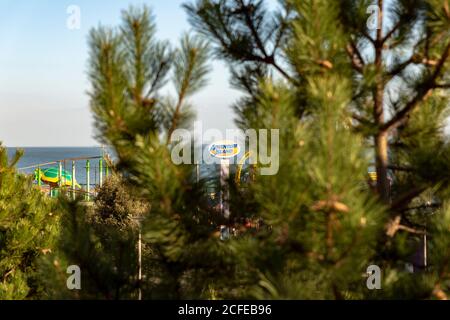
[[28, 226], [101, 238], [128, 66], [323, 225], [181, 232], [346, 85], [338, 92], [114, 203]]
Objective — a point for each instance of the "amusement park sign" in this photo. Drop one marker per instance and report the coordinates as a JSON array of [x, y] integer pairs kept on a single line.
[[224, 149], [262, 145]]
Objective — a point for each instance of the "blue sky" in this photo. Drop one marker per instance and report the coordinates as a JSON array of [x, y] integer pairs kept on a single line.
[[43, 70]]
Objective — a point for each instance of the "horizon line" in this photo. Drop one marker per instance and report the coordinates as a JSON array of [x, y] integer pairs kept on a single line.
[[91, 146]]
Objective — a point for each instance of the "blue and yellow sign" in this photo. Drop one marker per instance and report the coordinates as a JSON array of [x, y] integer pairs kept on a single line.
[[373, 176], [224, 149]]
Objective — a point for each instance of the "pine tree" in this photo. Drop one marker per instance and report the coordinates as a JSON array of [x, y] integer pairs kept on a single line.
[[341, 92], [343, 96], [128, 68], [28, 226], [101, 239]]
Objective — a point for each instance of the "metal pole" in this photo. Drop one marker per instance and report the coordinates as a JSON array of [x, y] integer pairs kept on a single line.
[[198, 173], [225, 195], [425, 249], [425, 258], [140, 261], [59, 176], [88, 179], [39, 182], [73, 180], [65, 170], [139, 219], [100, 171]]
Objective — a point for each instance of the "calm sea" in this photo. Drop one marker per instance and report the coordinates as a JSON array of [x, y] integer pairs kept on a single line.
[[34, 156], [40, 155]]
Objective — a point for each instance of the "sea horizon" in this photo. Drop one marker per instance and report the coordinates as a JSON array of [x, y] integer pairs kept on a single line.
[[29, 147], [46, 157], [35, 157]]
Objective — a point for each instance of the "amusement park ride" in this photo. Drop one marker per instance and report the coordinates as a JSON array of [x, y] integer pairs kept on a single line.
[[54, 177]]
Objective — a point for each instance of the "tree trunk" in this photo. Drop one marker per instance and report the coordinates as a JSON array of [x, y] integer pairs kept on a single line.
[[381, 154], [381, 137]]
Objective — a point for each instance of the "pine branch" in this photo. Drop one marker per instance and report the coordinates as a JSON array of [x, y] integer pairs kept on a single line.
[[355, 56], [391, 32], [271, 60], [425, 90], [284, 27], [217, 19], [400, 67], [176, 115], [442, 85], [424, 206], [267, 58], [362, 120], [394, 226], [160, 74], [368, 37], [190, 74], [437, 290], [249, 21], [401, 168], [403, 200]]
